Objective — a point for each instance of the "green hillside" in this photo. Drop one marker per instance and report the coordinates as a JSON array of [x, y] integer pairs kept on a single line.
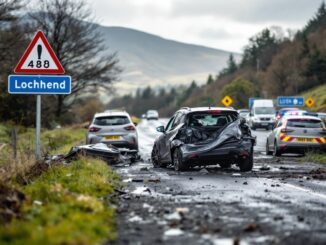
[[318, 94]]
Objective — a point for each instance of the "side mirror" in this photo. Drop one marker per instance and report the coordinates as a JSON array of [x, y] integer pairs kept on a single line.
[[250, 114], [242, 120], [160, 129]]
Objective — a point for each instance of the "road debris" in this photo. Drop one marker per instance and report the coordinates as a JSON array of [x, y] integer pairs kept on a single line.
[[265, 168], [106, 152], [251, 227], [173, 217], [173, 232], [203, 171]]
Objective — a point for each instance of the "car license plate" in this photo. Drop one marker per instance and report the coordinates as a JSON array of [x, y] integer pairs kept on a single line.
[[264, 124], [305, 140], [112, 137]]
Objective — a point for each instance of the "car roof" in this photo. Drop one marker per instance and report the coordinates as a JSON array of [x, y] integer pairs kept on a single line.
[[301, 117], [199, 109], [111, 113]]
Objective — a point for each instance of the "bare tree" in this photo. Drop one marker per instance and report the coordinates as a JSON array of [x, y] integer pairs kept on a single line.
[[76, 41]]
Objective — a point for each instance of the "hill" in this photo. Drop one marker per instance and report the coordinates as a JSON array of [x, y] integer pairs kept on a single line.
[[152, 60]]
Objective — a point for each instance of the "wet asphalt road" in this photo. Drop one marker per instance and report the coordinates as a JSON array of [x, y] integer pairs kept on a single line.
[[282, 201]]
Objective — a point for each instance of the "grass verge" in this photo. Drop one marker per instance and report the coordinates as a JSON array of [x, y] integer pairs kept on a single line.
[[67, 204], [315, 157]]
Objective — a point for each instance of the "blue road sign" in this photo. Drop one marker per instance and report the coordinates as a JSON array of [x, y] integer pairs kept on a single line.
[[290, 101], [37, 84]]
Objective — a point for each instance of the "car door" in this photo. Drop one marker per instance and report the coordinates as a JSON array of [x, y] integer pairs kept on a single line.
[[170, 132], [274, 134], [162, 139]]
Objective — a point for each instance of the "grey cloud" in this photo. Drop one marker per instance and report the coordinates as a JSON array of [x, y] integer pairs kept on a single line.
[[251, 11]]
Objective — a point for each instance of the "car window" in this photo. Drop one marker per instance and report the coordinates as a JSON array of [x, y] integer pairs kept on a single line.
[[210, 119], [177, 120], [169, 125], [111, 120], [304, 123]]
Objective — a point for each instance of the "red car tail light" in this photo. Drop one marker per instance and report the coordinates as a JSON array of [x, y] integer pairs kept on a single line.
[[130, 128], [94, 129]]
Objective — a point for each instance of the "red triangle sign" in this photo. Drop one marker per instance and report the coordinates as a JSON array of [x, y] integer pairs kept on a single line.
[[39, 58]]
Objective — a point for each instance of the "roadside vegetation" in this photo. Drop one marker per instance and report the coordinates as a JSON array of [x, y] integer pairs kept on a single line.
[[319, 96], [315, 157], [61, 203]]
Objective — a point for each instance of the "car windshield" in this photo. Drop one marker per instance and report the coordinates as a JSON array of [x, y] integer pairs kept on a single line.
[[210, 119], [304, 123], [111, 120], [243, 114], [264, 110]]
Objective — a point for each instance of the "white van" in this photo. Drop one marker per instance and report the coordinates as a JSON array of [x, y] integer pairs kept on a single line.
[[262, 114]]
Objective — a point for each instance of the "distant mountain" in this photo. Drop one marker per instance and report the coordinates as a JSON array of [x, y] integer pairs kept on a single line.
[[152, 60]]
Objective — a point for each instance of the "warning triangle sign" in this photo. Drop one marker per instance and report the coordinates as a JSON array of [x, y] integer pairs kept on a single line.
[[39, 58]]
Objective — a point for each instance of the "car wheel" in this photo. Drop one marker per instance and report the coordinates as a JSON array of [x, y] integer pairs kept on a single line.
[[179, 164], [268, 152], [156, 159], [247, 163], [276, 151], [225, 165]]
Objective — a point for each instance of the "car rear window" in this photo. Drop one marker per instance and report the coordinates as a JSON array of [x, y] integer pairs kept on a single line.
[[304, 123], [211, 119], [111, 120]]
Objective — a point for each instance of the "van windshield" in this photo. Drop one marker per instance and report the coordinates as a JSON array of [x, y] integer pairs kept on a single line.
[[264, 110]]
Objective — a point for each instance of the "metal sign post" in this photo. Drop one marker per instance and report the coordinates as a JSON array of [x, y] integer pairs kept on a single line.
[[39, 58], [38, 127]]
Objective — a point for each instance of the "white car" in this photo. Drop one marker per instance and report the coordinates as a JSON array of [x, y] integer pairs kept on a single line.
[[296, 134], [152, 114], [113, 128]]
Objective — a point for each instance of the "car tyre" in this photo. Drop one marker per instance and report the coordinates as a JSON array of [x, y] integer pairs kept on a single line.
[[156, 159], [276, 151], [268, 152], [178, 162], [247, 163]]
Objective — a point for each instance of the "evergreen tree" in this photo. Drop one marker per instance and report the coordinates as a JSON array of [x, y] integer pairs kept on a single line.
[[318, 21], [210, 79]]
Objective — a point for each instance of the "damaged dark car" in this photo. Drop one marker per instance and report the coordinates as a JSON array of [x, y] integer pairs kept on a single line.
[[204, 136]]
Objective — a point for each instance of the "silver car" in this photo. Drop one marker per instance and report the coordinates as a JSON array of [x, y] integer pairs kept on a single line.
[[296, 134], [114, 128]]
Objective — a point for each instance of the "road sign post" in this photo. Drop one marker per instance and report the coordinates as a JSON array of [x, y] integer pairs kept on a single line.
[[39, 59], [38, 127]]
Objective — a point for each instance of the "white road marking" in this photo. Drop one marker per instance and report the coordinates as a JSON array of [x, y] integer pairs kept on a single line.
[[306, 190]]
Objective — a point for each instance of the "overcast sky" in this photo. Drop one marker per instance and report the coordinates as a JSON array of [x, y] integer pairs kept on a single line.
[[223, 24]]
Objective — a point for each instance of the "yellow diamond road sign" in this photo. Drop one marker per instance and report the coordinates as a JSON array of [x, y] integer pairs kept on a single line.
[[309, 102], [226, 101]]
